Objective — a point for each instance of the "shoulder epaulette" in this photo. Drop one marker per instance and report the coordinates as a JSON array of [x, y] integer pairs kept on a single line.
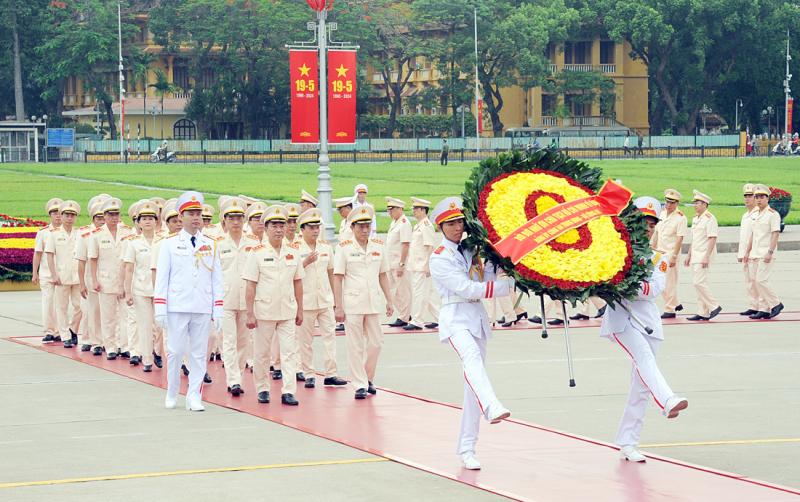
[[377, 240], [211, 226], [84, 227], [708, 215], [220, 238], [439, 250], [344, 243], [87, 234], [293, 245], [252, 236], [772, 210], [260, 246], [171, 235], [656, 257], [323, 242], [53, 229], [680, 213], [404, 219], [44, 228], [126, 227], [97, 230], [427, 223]]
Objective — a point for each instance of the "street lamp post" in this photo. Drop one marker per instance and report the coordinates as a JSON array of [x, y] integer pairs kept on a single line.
[[738, 104], [153, 110], [768, 114], [44, 117], [704, 112], [786, 88], [461, 109], [121, 88]]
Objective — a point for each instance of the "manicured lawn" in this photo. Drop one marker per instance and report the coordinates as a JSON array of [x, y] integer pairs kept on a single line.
[[23, 195]]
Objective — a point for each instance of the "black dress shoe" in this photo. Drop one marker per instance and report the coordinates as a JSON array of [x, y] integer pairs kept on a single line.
[[237, 389], [535, 319], [748, 312], [125, 355], [508, 324], [219, 357], [714, 313], [185, 370], [579, 317], [361, 394], [111, 356], [411, 327], [97, 351], [372, 390], [263, 397], [158, 361], [340, 327], [523, 315], [678, 308], [74, 337], [135, 360], [272, 368], [668, 315], [301, 377], [334, 382], [432, 325], [760, 315], [86, 347], [57, 339], [776, 310], [289, 399], [398, 323], [207, 378], [48, 338], [211, 359], [600, 313], [502, 320], [68, 344], [147, 368], [277, 375], [694, 318], [310, 383], [555, 322]]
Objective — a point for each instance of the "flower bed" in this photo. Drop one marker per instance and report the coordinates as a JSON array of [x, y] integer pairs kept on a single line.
[[17, 239]]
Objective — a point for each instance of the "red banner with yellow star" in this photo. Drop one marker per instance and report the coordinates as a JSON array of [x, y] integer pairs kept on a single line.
[[341, 97], [305, 96]]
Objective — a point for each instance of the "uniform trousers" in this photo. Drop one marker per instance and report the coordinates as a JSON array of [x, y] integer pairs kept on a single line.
[[263, 335], [364, 344], [192, 329], [49, 318], [94, 328], [400, 286], [109, 321], [750, 285], [305, 339], [705, 302], [506, 308], [84, 321], [478, 392], [250, 349], [133, 330], [592, 300], [424, 299], [553, 309], [145, 314], [646, 380], [63, 296], [275, 354], [759, 274], [235, 337], [670, 293]]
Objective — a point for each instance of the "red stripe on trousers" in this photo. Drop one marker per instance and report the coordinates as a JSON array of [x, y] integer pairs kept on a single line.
[[465, 377], [637, 371]]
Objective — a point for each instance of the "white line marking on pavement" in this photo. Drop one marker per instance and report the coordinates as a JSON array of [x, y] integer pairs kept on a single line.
[[21, 441], [111, 435], [64, 381]]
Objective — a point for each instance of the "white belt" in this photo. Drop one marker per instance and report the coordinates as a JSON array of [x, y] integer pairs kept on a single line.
[[447, 300]]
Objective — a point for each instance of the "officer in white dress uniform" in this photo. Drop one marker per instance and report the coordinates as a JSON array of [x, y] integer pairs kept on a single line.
[[344, 206], [188, 298], [646, 378], [360, 199], [462, 281]]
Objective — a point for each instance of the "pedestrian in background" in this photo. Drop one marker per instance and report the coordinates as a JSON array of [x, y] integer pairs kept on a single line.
[[445, 151]]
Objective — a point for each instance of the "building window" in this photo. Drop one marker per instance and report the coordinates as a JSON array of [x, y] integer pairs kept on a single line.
[[568, 53], [607, 52], [580, 53], [208, 77], [184, 129], [180, 76]]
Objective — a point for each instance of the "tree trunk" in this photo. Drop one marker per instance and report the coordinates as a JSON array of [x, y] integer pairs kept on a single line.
[[20, 104], [112, 126], [657, 118], [453, 97]]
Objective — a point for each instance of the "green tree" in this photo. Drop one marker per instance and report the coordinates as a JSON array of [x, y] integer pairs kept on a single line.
[[162, 86], [140, 68]]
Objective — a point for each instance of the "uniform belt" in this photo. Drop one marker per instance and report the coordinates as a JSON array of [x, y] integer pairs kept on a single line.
[[447, 300]]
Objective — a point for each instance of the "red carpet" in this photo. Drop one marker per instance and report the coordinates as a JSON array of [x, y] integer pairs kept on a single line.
[[520, 460]]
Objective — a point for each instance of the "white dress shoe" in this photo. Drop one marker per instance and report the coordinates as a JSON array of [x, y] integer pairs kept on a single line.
[[631, 453], [469, 461], [195, 406], [496, 413], [171, 402], [674, 405]]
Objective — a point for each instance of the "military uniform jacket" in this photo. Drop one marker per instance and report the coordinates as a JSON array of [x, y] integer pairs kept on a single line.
[[746, 231], [669, 229], [617, 320], [361, 268], [317, 290], [764, 223], [423, 238], [345, 231], [139, 252], [188, 279], [233, 258], [38, 245], [108, 251], [704, 227], [460, 277], [399, 234], [274, 274], [63, 248], [81, 253]]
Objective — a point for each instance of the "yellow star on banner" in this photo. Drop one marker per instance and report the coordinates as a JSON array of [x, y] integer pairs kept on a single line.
[[304, 70], [342, 71]]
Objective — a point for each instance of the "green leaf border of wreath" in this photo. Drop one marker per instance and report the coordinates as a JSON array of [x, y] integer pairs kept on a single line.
[[590, 177]]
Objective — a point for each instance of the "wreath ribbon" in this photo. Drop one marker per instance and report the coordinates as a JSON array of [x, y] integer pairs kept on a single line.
[[611, 200]]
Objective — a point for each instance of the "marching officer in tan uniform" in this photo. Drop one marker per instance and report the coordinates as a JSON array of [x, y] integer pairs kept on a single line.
[[360, 273], [128, 325], [42, 276], [209, 230], [103, 251], [291, 237], [745, 236], [425, 299], [398, 242], [669, 234], [291, 224], [761, 253], [234, 247], [317, 259], [344, 206], [60, 251], [253, 226], [92, 332], [360, 199], [702, 252], [307, 201], [274, 296], [139, 284]]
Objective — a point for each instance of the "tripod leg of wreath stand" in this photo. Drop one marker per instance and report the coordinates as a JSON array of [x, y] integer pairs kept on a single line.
[[569, 350], [544, 319]]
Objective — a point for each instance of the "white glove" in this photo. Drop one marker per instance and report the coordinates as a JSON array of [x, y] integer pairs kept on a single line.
[[217, 324], [162, 321]]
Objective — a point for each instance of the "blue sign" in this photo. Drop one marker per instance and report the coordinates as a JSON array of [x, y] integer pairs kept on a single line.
[[61, 137]]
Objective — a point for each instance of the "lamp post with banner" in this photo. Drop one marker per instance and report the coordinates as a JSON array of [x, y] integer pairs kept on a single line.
[[305, 95]]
